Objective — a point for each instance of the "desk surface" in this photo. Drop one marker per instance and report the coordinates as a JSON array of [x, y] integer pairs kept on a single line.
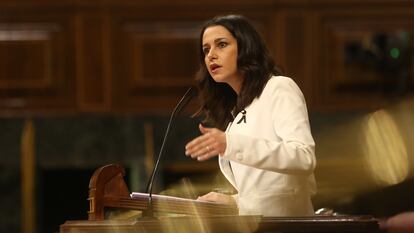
[[236, 224]]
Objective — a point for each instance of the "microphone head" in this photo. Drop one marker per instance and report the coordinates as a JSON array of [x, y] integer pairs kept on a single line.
[[185, 100], [191, 92]]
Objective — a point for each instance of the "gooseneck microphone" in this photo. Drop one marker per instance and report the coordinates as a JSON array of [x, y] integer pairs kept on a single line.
[[189, 94]]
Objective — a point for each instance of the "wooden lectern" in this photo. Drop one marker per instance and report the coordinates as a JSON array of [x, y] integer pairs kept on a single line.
[[107, 190]]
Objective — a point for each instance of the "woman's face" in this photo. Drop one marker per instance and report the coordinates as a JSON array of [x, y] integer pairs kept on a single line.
[[220, 56]]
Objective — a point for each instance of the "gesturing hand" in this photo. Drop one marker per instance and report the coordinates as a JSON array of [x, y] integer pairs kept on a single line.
[[211, 143]]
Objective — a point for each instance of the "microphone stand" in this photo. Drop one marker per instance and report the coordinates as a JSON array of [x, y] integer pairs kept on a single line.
[[189, 94]]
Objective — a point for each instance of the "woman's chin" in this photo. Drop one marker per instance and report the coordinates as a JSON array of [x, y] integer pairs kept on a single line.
[[218, 79]]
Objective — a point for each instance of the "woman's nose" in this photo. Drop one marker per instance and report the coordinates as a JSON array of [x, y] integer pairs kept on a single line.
[[211, 54]]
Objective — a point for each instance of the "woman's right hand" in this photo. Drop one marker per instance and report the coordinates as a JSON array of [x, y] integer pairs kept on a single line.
[[218, 198]]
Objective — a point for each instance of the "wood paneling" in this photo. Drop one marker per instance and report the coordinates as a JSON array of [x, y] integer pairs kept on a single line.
[[360, 80], [93, 61], [138, 57], [36, 56], [295, 44], [153, 63]]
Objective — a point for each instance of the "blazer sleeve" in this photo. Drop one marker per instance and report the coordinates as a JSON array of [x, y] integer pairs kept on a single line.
[[293, 149]]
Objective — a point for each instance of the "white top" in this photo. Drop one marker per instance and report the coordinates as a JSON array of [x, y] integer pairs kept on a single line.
[[270, 157]]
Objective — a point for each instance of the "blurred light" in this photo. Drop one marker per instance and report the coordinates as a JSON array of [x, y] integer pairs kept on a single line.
[[385, 150], [395, 53]]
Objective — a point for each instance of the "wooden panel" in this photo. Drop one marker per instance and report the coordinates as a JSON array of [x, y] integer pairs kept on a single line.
[[139, 57], [36, 56], [34, 71], [163, 61], [295, 52], [153, 63], [93, 61], [155, 59], [295, 48], [353, 72]]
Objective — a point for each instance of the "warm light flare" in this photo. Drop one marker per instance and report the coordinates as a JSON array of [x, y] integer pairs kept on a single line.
[[385, 150]]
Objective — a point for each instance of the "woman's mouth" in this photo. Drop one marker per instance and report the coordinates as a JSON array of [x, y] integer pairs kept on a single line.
[[214, 67]]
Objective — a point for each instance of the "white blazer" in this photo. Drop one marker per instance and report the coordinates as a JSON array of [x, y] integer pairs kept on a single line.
[[270, 154]]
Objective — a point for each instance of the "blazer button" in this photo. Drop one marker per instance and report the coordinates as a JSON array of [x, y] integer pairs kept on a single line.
[[239, 157]]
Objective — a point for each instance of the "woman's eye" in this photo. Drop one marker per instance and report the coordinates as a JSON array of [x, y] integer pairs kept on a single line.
[[206, 50], [222, 44]]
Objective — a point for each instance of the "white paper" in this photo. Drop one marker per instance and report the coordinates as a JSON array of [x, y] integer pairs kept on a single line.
[[165, 197]]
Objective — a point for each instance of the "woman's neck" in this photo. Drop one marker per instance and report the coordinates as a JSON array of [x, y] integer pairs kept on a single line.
[[236, 84]]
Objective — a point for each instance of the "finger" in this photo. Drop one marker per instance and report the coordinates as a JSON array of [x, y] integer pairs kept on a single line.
[[203, 198], [211, 196], [193, 142], [203, 158], [196, 152], [207, 156], [198, 140], [206, 196], [190, 150], [201, 152], [201, 146]]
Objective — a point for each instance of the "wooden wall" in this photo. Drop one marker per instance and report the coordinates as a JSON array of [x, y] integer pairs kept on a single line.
[[138, 57]]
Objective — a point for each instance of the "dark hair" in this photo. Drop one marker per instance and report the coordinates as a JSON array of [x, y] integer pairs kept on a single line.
[[218, 100]]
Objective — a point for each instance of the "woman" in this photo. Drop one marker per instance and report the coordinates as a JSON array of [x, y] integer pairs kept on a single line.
[[267, 150]]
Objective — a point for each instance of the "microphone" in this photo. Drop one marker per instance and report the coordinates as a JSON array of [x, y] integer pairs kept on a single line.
[[187, 97]]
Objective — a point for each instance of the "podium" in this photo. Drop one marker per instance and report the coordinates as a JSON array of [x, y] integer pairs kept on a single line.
[[108, 190]]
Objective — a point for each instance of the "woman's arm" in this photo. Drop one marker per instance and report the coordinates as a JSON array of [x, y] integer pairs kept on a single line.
[[293, 152]]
